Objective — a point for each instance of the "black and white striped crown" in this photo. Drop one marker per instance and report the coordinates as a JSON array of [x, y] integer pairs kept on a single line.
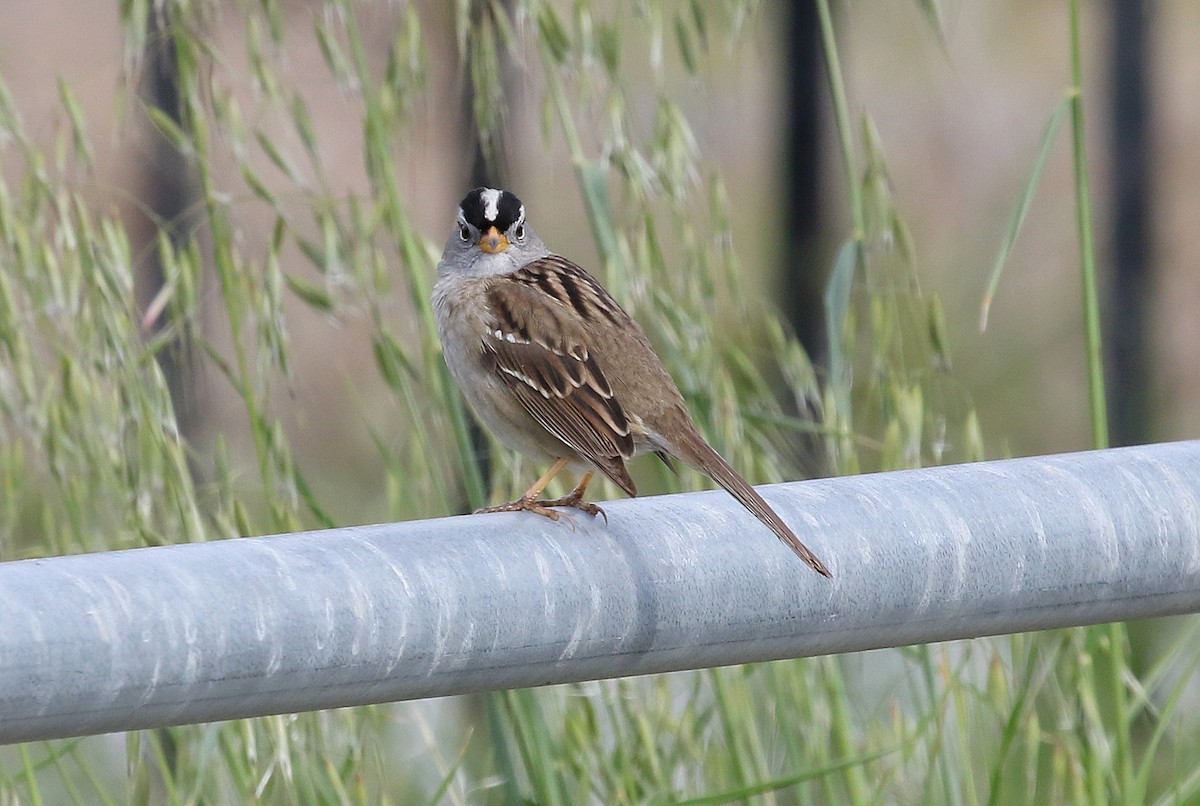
[[486, 207]]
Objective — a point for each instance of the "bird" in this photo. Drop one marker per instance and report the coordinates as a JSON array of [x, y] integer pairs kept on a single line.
[[558, 371]]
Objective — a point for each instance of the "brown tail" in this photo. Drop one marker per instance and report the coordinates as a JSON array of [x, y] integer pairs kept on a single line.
[[700, 455]]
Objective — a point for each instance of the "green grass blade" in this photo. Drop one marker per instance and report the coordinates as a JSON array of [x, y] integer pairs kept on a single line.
[[1045, 145]]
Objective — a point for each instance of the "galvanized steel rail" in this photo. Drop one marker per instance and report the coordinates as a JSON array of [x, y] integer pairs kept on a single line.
[[239, 628]]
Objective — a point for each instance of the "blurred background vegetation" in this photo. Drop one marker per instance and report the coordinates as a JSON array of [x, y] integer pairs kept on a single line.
[[218, 231]]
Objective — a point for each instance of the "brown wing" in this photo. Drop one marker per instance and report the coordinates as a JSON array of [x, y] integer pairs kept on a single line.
[[536, 343]]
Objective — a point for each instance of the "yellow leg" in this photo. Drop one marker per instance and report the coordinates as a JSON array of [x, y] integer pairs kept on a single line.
[[539, 485], [581, 487]]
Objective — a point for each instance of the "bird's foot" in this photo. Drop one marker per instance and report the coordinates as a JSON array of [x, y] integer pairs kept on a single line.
[[543, 506], [524, 504], [576, 501]]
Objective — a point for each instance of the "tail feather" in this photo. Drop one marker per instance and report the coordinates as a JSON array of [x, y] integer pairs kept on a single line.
[[700, 455]]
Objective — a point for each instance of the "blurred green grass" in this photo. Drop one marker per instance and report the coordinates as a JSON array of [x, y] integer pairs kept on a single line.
[[94, 456]]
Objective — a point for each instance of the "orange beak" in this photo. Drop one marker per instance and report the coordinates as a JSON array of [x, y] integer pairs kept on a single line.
[[493, 241]]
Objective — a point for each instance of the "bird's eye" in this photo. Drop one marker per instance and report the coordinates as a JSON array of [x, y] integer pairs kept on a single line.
[[464, 232], [519, 232]]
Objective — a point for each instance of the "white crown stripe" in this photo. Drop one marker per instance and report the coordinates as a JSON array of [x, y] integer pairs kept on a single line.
[[491, 204]]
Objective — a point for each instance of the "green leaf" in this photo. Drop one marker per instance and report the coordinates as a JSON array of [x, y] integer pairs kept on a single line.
[[1026, 201], [278, 158], [779, 784], [169, 129], [684, 38], [553, 34], [937, 334], [313, 294], [79, 137], [393, 364], [837, 308], [593, 180]]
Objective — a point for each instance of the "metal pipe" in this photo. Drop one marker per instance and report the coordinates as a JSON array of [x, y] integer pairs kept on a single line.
[[239, 628]]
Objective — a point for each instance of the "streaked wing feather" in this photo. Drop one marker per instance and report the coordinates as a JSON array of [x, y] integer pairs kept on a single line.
[[537, 343]]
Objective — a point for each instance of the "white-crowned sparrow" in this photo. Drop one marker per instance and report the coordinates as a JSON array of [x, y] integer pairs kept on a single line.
[[557, 369]]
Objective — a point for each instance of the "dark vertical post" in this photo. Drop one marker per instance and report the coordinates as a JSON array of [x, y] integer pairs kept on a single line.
[[1132, 248], [168, 194], [802, 275]]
